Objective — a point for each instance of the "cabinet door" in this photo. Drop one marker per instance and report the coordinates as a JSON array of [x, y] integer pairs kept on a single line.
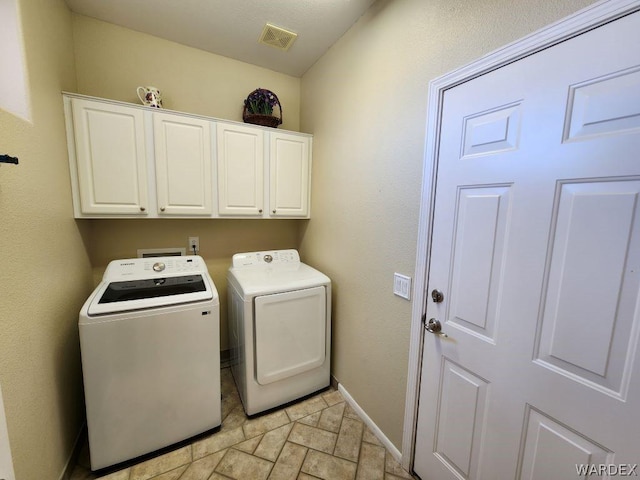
[[111, 158], [240, 170], [183, 164], [289, 175]]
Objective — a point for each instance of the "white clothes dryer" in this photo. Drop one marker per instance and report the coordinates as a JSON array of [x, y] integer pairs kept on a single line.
[[279, 313], [150, 344]]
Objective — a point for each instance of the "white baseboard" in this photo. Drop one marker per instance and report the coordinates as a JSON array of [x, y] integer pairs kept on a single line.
[[391, 448], [73, 457], [6, 460]]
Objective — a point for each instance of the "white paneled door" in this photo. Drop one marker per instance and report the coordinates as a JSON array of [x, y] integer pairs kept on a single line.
[[536, 251]]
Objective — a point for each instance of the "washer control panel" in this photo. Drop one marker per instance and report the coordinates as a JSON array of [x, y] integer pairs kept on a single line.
[[152, 267], [272, 257]]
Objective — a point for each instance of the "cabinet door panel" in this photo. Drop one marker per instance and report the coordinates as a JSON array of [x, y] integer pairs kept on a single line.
[[240, 170], [183, 164], [289, 175], [111, 158]]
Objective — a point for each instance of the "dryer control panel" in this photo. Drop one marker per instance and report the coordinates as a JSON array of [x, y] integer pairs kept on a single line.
[[271, 257]]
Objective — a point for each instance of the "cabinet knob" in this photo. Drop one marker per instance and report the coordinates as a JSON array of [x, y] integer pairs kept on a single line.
[[162, 209], [142, 209], [274, 211], [260, 211]]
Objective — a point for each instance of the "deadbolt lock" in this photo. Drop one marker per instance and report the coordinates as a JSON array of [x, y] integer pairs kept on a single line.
[[437, 295]]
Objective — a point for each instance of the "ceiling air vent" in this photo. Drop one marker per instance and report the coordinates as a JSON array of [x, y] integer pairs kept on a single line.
[[277, 37]]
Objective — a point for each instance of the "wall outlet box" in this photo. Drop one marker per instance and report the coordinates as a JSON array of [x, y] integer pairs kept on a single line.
[[194, 245], [160, 252], [402, 286]]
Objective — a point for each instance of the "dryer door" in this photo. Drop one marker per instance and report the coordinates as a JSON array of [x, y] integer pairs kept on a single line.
[[290, 334]]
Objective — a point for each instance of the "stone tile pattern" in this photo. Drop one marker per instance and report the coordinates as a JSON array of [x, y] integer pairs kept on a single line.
[[320, 437]]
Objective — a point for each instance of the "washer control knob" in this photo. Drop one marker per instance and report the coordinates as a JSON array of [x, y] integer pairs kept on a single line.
[[268, 258], [158, 266]]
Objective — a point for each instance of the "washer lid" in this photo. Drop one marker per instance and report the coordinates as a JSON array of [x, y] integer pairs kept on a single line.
[[144, 283], [113, 297], [262, 279], [152, 288]]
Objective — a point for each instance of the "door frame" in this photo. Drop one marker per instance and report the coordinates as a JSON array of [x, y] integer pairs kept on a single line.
[[591, 17]]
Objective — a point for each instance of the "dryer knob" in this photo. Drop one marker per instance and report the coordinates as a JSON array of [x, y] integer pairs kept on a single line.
[[268, 258], [158, 266]]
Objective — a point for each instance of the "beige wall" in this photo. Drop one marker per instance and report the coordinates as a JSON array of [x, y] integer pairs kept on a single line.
[[45, 273], [365, 103], [112, 61]]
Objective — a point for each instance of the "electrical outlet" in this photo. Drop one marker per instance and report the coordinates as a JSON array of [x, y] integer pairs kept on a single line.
[[194, 245], [402, 286]]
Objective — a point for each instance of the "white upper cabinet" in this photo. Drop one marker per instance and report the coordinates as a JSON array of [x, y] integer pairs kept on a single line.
[[110, 159], [129, 160], [183, 164], [240, 170], [289, 165]]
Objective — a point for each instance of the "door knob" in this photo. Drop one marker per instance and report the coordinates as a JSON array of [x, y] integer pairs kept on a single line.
[[434, 326]]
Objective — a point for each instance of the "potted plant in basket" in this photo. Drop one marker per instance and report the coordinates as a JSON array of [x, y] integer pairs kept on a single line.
[[259, 108]]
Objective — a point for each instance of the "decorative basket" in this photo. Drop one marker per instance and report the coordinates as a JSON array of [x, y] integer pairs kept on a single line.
[[264, 100]]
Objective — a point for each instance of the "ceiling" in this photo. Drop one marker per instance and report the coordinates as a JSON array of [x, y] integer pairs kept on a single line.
[[232, 27]]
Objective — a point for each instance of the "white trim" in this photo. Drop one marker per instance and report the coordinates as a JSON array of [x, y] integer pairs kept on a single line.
[[391, 448], [6, 459], [15, 93], [586, 19], [70, 465]]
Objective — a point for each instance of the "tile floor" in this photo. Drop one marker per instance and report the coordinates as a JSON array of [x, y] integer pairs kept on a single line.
[[320, 437]]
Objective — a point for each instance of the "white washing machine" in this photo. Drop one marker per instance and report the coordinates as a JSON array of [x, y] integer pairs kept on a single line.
[[150, 343], [279, 314]]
